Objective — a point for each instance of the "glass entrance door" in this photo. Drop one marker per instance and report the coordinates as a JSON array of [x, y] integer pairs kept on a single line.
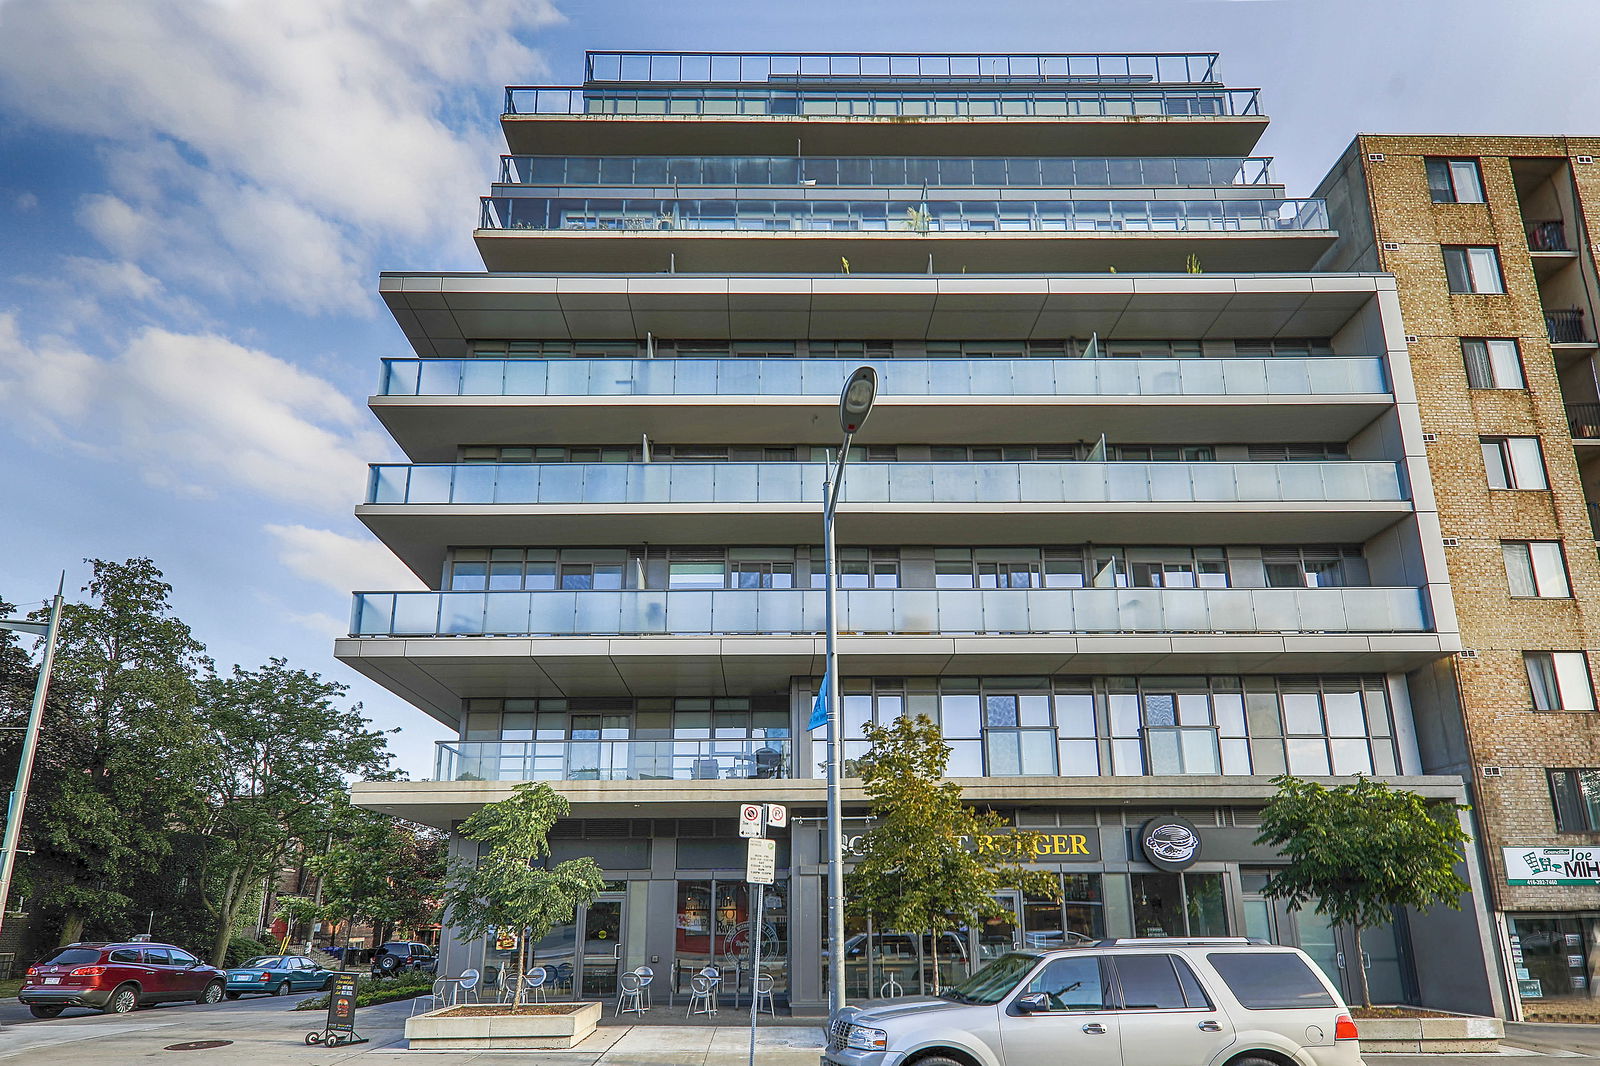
[[602, 947], [1002, 933]]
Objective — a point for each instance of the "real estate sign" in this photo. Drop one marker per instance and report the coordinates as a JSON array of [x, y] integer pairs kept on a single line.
[[1552, 866]]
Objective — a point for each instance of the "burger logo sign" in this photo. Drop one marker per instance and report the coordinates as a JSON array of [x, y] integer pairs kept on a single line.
[[1170, 843]]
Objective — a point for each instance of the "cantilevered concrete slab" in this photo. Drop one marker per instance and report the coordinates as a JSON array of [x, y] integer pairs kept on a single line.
[[439, 313]]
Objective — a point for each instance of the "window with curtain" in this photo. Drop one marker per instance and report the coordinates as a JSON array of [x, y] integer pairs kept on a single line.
[[1575, 795], [1559, 680], [1473, 269], [1535, 568], [1513, 463], [1492, 363], [1454, 181]]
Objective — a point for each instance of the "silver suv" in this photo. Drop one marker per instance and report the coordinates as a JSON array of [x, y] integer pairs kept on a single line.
[[1220, 1001]]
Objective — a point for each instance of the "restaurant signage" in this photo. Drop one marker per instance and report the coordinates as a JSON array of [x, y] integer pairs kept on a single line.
[[1552, 866]]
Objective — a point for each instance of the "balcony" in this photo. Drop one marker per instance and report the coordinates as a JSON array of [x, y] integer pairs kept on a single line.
[[1566, 327], [1289, 376], [430, 405], [799, 612], [870, 67], [888, 171], [417, 510], [1583, 419], [981, 236], [1109, 115], [913, 215], [612, 760], [1547, 237]]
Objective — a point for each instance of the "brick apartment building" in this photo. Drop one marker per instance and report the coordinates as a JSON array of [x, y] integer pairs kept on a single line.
[[1490, 242]]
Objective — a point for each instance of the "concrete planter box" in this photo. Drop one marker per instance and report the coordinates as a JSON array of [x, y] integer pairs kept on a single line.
[[1459, 1033], [432, 1032]]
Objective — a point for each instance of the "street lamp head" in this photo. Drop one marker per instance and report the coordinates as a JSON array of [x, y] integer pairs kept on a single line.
[[855, 402]]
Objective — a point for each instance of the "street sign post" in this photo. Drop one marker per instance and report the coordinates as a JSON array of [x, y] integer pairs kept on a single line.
[[761, 861], [750, 818], [777, 816], [760, 870]]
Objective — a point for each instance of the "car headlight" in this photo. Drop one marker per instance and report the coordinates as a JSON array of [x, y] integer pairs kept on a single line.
[[862, 1038]]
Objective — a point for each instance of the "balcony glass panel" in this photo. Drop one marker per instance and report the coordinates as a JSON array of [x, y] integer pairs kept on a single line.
[[986, 611], [909, 214], [612, 760], [1323, 375]]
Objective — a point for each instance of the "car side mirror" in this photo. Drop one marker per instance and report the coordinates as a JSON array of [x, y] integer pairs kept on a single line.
[[1031, 1003]]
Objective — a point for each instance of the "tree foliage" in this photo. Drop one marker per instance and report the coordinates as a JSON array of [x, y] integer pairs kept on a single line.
[[382, 870], [512, 885], [1361, 849], [930, 861]]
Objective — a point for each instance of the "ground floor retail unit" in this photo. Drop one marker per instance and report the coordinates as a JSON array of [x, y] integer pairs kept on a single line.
[[676, 901]]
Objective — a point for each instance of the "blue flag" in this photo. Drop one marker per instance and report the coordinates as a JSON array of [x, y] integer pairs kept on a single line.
[[819, 710]]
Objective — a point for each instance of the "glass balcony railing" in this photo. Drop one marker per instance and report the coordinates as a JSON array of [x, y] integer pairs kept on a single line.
[[915, 216], [887, 171], [921, 101], [1285, 376], [993, 484], [799, 612], [611, 760], [760, 67]]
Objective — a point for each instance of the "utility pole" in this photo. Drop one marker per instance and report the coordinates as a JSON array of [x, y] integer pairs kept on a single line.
[[30, 741]]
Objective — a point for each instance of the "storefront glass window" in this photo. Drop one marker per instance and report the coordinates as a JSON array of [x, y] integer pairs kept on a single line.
[[1554, 956], [1179, 905], [714, 928]]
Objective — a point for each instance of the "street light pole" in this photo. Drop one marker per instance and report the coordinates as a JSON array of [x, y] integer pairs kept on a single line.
[[30, 742], [855, 403]]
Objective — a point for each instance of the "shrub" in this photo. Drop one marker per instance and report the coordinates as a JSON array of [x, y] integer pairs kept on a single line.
[[241, 948], [374, 990]]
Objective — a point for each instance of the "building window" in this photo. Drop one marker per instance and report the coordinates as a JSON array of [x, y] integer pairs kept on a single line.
[[1178, 905], [1513, 462], [1559, 680], [1492, 364], [1333, 567], [1454, 181], [1474, 269], [1575, 794], [1535, 568]]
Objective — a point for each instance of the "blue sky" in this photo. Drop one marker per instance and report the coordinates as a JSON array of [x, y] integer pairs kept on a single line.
[[196, 197]]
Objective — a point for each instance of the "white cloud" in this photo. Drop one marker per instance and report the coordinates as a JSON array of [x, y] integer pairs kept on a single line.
[[266, 149], [195, 413], [344, 564], [26, 202], [320, 623]]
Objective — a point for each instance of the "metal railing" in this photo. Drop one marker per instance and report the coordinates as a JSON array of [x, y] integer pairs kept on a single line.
[[1547, 237], [927, 102], [799, 612], [758, 67], [1566, 327], [888, 171], [1284, 376], [992, 484], [611, 760], [1584, 420], [740, 213]]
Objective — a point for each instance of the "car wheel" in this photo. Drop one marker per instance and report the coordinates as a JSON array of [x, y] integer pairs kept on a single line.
[[234, 995], [282, 989], [941, 1060], [389, 964], [45, 1012], [122, 1001], [212, 994], [327, 986]]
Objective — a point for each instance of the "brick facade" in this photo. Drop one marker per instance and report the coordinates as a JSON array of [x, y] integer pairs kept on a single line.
[[1389, 222]]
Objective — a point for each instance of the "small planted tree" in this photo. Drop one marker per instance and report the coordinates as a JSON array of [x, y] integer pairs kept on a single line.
[[510, 886], [1361, 849], [930, 862]]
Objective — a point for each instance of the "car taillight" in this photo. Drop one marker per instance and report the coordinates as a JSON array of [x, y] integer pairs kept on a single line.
[[33, 971], [266, 977], [88, 971], [1345, 1028]]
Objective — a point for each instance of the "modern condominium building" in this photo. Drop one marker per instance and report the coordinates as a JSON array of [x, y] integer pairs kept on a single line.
[[1490, 240], [1138, 537]]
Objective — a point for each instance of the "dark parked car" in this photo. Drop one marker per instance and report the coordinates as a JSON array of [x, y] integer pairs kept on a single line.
[[116, 978], [398, 955]]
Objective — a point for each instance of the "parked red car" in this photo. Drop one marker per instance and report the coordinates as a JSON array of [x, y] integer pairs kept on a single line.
[[116, 978]]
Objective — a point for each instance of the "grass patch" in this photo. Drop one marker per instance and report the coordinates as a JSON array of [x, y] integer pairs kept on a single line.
[[371, 991], [9, 989]]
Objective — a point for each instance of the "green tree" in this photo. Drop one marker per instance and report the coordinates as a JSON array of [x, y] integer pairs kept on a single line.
[[382, 870], [1361, 849], [287, 751], [120, 753], [511, 885], [930, 861]]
